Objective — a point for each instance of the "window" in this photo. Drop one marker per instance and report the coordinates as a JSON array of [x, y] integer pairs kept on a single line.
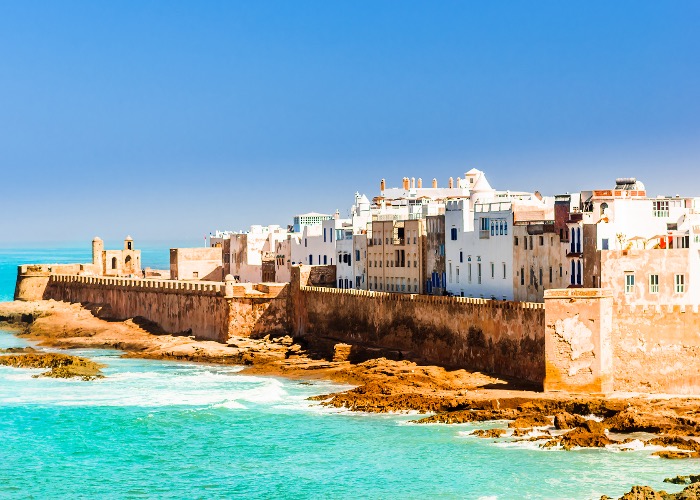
[[660, 208], [450, 269], [515, 241], [453, 234], [561, 271], [629, 282], [357, 255], [325, 260], [541, 277], [311, 260], [306, 242], [469, 272], [532, 246], [680, 283], [492, 227], [551, 274], [457, 274], [195, 274], [605, 244], [541, 241], [653, 283], [324, 234], [504, 270], [493, 270], [461, 256], [522, 276], [484, 223], [525, 240], [478, 273]]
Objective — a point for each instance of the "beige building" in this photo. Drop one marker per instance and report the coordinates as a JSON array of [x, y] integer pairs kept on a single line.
[[435, 255], [196, 264], [539, 260], [396, 256], [125, 262]]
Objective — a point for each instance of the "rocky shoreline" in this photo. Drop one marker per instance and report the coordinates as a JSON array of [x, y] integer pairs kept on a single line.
[[555, 421]]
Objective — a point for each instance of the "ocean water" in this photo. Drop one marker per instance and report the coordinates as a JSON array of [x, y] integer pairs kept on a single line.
[[156, 429]]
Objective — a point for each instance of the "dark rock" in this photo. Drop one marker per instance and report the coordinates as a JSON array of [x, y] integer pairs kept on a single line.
[[488, 433], [566, 420]]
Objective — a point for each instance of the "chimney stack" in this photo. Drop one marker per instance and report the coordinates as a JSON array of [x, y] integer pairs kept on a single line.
[[420, 183], [434, 183], [450, 183], [382, 185], [413, 183], [406, 183]]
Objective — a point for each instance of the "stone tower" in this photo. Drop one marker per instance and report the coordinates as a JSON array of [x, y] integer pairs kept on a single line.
[[98, 247], [128, 243]]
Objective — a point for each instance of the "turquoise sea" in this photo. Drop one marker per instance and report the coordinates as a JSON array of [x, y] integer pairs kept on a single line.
[[155, 429]]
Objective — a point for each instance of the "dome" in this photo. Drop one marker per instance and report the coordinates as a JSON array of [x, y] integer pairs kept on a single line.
[[128, 238]]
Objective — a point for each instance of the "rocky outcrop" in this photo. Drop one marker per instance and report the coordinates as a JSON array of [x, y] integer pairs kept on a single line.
[[683, 479], [488, 433], [691, 492], [61, 365]]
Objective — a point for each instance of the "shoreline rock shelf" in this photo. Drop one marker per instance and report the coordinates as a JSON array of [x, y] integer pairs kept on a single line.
[[60, 365]]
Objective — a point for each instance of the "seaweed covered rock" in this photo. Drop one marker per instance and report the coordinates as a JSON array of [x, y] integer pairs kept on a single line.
[[60, 365]]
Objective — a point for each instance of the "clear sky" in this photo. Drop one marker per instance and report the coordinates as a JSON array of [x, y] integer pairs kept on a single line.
[[170, 119]]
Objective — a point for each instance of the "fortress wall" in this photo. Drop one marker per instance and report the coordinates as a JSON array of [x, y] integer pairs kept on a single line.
[[251, 316], [657, 349], [594, 344], [504, 338], [196, 308]]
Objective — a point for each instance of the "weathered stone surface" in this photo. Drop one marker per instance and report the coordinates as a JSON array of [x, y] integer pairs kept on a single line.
[[489, 433], [566, 420], [61, 365]]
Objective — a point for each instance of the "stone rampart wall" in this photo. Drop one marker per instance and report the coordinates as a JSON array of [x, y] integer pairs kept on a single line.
[[199, 309], [504, 338], [594, 344], [657, 349]]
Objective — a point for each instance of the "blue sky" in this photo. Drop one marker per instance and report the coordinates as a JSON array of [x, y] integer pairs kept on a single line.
[[169, 119]]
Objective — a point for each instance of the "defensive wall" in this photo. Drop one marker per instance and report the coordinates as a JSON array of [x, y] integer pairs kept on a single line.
[[579, 340], [207, 310], [506, 338], [596, 344]]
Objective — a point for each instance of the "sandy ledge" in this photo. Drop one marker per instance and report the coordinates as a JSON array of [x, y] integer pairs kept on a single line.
[[559, 421]]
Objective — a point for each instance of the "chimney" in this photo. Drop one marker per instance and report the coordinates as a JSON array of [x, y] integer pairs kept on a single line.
[[458, 181], [382, 185], [336, 215], [434, 183], [450, 183], [406, 182], [420, 183], [413, 183]]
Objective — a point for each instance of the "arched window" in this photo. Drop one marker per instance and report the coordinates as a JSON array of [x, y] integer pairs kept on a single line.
[[127, 262], [573, 272], [578, 274], [114, 262], [578, 240], [573, 240], [603, 208]]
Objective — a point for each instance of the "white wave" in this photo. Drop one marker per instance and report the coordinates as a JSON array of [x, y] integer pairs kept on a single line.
[[232, 405]]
